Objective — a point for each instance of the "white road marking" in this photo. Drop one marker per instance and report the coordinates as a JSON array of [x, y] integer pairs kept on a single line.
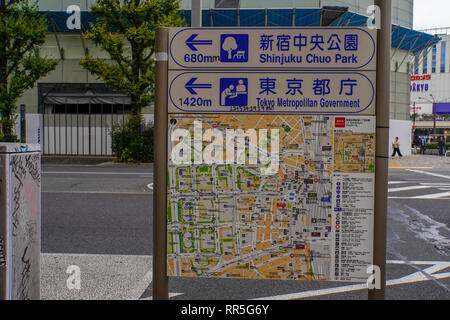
[[99, 172], [433, 196], [408, 188], [440, 196], [397, 182], [150, 186], [315, 293], [142, 285], [424, 185], [98, 192], [429, 173], [171, 295], [423, 275]]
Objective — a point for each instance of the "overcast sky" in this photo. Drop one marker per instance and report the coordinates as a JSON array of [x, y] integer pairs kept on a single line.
[[431, 14]]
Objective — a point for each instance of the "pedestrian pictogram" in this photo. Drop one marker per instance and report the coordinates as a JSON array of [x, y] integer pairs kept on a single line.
[[233, 92]]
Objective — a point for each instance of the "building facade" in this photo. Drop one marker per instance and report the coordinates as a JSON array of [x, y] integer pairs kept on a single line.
[[70, 112], [430, 87]]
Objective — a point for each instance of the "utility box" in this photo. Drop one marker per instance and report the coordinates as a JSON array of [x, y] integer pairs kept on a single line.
[[20, 221]]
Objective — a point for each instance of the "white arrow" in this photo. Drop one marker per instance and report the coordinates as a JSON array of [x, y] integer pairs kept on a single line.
[[427, 274]]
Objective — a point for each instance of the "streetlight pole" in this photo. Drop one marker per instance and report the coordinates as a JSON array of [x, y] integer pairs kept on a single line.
[[433, 110], [196, 13], [434, 115]]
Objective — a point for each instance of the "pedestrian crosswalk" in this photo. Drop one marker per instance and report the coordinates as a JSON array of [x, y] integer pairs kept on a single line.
[[424, 190]]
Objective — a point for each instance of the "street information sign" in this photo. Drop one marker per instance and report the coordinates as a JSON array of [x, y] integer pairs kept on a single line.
[[271, 172], [314, 48], [266, 92]]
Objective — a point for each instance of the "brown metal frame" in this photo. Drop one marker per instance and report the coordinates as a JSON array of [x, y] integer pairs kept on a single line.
[[160, 279]]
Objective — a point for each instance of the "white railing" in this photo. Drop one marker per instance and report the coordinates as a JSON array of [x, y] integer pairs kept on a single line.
[[438, 30]]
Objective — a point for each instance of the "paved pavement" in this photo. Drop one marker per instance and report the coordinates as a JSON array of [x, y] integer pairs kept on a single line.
[[101, 277], [99, 218], [420, 161]]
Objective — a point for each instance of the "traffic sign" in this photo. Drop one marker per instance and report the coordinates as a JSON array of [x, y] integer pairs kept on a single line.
[[272, 92], [318, 48]]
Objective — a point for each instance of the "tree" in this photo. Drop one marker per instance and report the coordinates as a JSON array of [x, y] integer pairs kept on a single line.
[[125, 29], [229, 45], [22, 32]]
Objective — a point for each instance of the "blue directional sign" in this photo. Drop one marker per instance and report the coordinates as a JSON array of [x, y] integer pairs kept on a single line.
[[191, 85], [192, 43], [299, 48], [272, 92]]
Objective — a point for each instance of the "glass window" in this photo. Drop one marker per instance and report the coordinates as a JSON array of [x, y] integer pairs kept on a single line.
[[443, 54], [425, 62], [416, 64], [433, 59]]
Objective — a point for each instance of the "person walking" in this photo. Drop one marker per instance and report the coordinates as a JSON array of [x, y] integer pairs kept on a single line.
[[441, 146], [418, 145], [396, 148], [423, 147]]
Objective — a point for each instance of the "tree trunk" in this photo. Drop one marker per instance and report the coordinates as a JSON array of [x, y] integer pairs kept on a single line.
[[6, 128], [136, 108]]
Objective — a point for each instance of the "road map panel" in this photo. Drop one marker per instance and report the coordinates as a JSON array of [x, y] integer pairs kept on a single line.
[[229, 217]]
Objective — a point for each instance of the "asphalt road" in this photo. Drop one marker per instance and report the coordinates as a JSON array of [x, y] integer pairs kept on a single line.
[[97, 210], [108, 210]]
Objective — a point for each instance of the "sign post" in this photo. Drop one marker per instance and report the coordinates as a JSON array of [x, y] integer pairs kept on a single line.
[[382, 147], [265, 157], [160, 280]]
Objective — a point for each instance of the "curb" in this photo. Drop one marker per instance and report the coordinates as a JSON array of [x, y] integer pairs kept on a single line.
[[90, 161], [70, 160]]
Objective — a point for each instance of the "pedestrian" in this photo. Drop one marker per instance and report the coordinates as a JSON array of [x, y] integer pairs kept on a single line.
[[418, 145], [396, 148], [423, 147], [441, 146]]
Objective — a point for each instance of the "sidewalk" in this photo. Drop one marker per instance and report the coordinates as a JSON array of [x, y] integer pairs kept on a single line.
[[419, 161], [102, 277]]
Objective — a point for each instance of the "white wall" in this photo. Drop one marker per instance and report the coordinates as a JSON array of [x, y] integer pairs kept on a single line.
[[422, 108], [34, 122], [149, 118], [402, 130]]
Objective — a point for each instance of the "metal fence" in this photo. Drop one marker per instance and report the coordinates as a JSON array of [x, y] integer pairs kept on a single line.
[[79, 133]]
